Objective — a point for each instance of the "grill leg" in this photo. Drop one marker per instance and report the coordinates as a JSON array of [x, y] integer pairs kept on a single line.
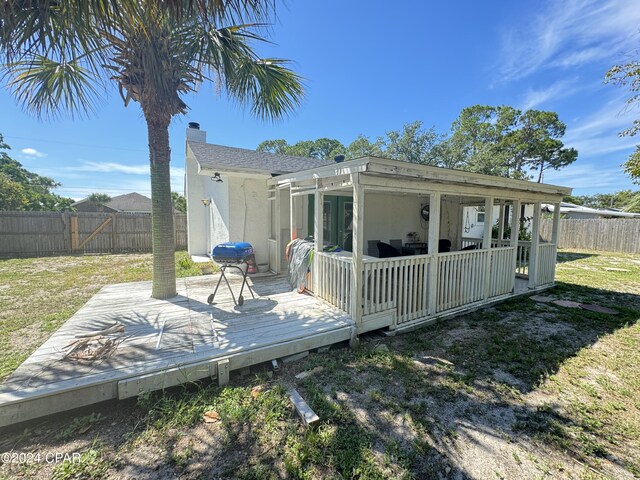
[[222, 275]]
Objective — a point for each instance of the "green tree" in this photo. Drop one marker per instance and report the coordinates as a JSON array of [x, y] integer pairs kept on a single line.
[[21, 189], [99, 198], [363, 147], [476, 141], [273, 146], [540, 142], [327, 148], [12, 195], [506, 142], [322, 148], [60, 53], [628, 75], [632, 165], [412, 144], [179, 202]]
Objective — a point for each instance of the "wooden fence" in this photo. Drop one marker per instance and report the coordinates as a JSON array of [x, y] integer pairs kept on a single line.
[[603, 234], [33, 234]]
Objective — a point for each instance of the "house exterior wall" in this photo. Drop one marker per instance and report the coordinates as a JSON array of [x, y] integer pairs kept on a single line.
[[219, 212], [196, 213], [388, 217], [248, 213]]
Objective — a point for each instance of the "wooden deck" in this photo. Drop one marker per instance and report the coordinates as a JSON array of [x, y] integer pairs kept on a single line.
[[168, 342]]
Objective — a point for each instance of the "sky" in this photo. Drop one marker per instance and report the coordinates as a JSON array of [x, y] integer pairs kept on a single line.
[[371, 67]]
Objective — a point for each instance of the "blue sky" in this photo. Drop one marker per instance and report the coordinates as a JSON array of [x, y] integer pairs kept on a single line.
[[370, 67]]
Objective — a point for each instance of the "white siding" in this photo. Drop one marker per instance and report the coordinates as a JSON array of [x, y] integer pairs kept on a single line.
[[248, 213], [196, 211]]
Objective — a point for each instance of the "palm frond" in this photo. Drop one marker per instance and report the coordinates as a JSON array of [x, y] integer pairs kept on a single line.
[[272, 90], [46, 87]]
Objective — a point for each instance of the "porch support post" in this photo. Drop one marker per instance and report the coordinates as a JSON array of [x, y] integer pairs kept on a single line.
[[515, 230], [501, 224], [356, 259], [278, 232], [556, 224], [292, 215], [555, 234], [486, 243], [535, 243], [317, 236], [434, 235]]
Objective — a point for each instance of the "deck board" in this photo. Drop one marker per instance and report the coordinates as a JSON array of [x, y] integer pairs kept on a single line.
[[163, 334]]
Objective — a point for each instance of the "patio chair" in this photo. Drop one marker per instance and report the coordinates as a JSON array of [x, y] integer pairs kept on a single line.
[[473, 246], [372, 248], [397, 244], [387, 251], [444, 245]]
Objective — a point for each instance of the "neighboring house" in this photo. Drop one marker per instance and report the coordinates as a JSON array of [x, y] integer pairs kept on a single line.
[[268, 200], [569, 210], [473, 218], [129, 203]]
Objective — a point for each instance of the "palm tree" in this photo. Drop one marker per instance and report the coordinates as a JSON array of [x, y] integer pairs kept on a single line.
[[60, 56]]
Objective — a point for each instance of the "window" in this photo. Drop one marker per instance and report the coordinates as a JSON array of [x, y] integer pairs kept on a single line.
[[479, 215]]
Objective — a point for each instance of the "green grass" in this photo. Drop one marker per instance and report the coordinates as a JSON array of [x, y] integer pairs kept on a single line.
[[37, 295], [556, 390]]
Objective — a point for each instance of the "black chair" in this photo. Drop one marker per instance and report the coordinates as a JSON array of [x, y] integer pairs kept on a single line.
[[473, 246], [444, 245], [387, 251]]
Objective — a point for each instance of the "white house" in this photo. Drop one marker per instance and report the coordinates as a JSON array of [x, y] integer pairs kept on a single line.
[[226, 192], [268, 200]]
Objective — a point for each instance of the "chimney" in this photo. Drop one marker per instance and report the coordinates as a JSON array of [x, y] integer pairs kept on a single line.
[[338, 158], [194, 134]]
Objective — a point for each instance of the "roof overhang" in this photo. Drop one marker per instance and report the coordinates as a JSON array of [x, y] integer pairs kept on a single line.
[[374, 166]]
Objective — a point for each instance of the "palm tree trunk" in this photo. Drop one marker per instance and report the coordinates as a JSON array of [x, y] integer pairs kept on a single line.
[[164, 271]]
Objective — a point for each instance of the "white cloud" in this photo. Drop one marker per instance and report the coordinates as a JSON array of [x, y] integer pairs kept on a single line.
[[555, 91], [586, 178], [567, 34], [597, 134], [32, 152], [116, 178], [112, 167]]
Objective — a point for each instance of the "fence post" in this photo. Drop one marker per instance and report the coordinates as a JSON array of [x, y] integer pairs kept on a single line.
[[73, 231]]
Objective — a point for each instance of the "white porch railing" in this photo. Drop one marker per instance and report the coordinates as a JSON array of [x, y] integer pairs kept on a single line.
[[272, 247], [502, 275], [468, 241], [334, 280], [522, 257], [461, 278], [400, 283], [546, 263]]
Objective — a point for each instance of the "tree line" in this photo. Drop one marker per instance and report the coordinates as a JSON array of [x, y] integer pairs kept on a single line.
[[625, 200], [494, 140]]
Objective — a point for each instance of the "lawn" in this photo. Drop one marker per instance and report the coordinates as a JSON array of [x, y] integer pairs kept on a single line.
[[37, 295], [520, 390]]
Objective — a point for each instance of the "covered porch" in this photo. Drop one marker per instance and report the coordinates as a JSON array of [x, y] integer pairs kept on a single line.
[[419, 211]]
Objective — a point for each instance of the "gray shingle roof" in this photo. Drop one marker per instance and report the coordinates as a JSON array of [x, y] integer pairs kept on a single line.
[[211, 156], [131, 202]]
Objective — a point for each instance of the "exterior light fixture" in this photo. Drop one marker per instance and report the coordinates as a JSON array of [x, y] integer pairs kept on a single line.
[[216, 178], [206, 202]]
